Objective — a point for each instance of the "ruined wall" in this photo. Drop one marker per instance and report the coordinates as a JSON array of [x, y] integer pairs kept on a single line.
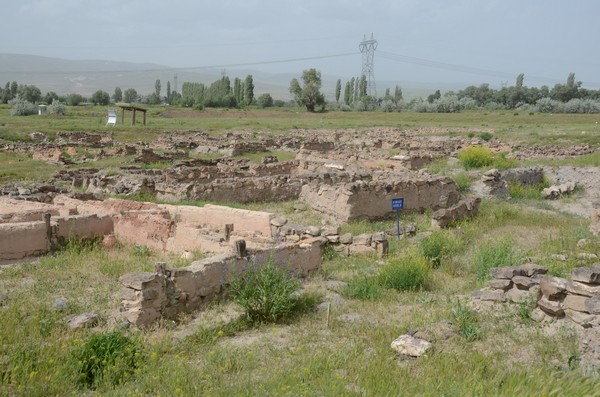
[[217, 215], [147, 297], [19, 240], [372, 199], [577, 299]]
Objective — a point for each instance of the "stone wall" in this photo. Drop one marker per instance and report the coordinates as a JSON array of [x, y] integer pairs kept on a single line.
[[372, 199], [22, 239], [577, 299], [147, 297]]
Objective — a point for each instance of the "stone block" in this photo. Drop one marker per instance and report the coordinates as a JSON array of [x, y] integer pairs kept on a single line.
[[523, 282], [592, 305], [494, 295], [503, 284], [539, 315], [553, 288], [553, 308], [362, 239], [346, 238], [518, 295], [411, 346], [503, 272], [576, 287], [529, 270], [588, 275], [583, 319], [360, 249], [333, 239], [379, 237], [575, 302], [330, 231], [139, 280]]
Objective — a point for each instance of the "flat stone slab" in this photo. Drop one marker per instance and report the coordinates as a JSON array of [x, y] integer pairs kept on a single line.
[[493, 296], [84, 320], [410, 346], [589, 275]]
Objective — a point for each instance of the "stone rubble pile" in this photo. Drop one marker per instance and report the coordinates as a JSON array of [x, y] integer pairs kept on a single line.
[[577, 299], [512, 283], [345, 244], [557, 191]]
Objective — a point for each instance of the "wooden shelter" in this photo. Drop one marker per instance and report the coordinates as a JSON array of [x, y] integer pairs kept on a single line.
[[133, 110]]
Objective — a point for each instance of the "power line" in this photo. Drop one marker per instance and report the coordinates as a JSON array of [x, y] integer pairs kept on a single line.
[[191, 68], [457, 68]]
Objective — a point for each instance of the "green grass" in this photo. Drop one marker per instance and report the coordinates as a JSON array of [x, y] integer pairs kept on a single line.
[[20, 167], [463, 181], [494, 254]]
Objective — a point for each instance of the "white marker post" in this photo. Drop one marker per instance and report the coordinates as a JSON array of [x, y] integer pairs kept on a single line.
[[397, 205]]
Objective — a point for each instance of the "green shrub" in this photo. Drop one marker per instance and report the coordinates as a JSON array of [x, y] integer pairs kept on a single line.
[[267, 295], [57, 107], [465, 322], [494, 254], [500, 162], [463, 181], [21, 107], [409, 272], [486, 136], [475, 157], [107, 358], [439, 244], [519, 191], [362, 287]]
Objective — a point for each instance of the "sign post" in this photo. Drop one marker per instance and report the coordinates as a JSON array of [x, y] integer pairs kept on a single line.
[[397, 205]]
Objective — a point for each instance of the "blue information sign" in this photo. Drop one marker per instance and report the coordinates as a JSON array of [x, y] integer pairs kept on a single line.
[[397, 203]]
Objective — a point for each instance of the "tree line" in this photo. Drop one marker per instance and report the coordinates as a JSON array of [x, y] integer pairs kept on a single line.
[[569, 97]]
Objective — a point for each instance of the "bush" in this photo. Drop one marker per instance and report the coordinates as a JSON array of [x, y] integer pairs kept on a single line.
[[463, 181], [107, 358], [519, 191], [438, 245], [486, 136], [57, 107], [500, 162], [409, 272], [267, 294], [494, 254], [21, 107], [547, 105], [475, 157]]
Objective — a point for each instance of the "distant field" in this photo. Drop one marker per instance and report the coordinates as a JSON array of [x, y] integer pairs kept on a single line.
[[530, 128]]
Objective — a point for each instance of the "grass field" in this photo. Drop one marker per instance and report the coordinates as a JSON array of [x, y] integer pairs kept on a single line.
[[499, 352]]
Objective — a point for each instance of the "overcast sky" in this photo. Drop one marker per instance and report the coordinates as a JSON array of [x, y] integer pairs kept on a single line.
[[446, 41]]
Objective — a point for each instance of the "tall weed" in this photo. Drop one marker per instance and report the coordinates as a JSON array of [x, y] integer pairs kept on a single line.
[[410, 271], [494, 254]]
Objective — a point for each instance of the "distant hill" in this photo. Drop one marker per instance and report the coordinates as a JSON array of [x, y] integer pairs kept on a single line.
[[87, 76]]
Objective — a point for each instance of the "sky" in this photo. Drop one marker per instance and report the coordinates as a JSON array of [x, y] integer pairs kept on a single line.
[[460, 42]]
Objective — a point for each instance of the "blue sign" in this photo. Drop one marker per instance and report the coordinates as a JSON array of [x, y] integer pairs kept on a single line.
[[397, 203]]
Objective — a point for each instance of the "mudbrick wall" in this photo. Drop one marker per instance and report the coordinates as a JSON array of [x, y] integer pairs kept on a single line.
[[166, 293], [372, 199]]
